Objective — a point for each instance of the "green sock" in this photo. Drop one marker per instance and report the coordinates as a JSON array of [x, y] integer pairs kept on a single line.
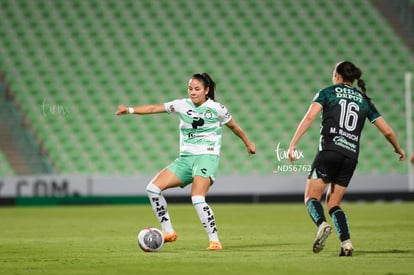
[[315, 211], [340, 222]]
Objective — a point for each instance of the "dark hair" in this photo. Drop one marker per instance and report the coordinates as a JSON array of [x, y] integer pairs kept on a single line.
[[208, 83], [350, 73]]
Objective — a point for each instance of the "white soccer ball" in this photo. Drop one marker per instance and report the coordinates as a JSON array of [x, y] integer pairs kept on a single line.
[[150, 239]]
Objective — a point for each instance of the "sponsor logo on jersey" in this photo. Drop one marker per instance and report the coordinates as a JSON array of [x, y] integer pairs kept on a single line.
[[342, 142], [197, 120], [348, 93]]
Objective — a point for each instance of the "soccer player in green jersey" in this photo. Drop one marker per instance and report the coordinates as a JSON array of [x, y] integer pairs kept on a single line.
[[201, 121], [344, 111]]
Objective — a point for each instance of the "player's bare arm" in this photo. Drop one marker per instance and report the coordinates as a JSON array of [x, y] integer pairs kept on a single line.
[[141, 110], [313, 111], [389, 134], [235, 128]]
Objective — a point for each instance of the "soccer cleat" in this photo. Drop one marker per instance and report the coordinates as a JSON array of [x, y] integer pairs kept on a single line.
[[323, 233], [214, 246], [346, 248], [172, 237]]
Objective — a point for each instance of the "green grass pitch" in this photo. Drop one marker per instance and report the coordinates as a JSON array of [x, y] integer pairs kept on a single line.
[[257, 239]]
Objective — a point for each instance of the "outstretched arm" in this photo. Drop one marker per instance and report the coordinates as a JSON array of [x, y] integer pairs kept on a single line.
[[235, 128], [303, 126], [141, 110], [389, 134]]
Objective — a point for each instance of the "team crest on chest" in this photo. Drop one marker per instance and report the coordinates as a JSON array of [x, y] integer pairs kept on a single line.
[[208, 114]]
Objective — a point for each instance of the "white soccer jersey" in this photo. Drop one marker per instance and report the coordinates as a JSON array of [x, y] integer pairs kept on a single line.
[[200, 126]]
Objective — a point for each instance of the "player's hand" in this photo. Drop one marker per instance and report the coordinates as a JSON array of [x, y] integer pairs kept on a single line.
[[122, 110], [291, 153], [401, 152], [251, 148]]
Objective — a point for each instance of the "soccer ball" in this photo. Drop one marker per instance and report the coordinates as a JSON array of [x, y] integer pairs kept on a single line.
[[150, 239]]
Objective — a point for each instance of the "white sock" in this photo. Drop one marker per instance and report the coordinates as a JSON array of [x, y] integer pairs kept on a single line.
[[159, 206], [206, 216]]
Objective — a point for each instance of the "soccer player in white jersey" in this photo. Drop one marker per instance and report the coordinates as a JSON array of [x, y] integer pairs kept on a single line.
[[201, 121]]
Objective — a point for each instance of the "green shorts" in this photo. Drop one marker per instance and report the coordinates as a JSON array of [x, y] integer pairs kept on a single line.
[[186, 167]]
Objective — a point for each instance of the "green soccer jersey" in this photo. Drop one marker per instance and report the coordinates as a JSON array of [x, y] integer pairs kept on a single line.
[[200, 126], [344, 112]]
